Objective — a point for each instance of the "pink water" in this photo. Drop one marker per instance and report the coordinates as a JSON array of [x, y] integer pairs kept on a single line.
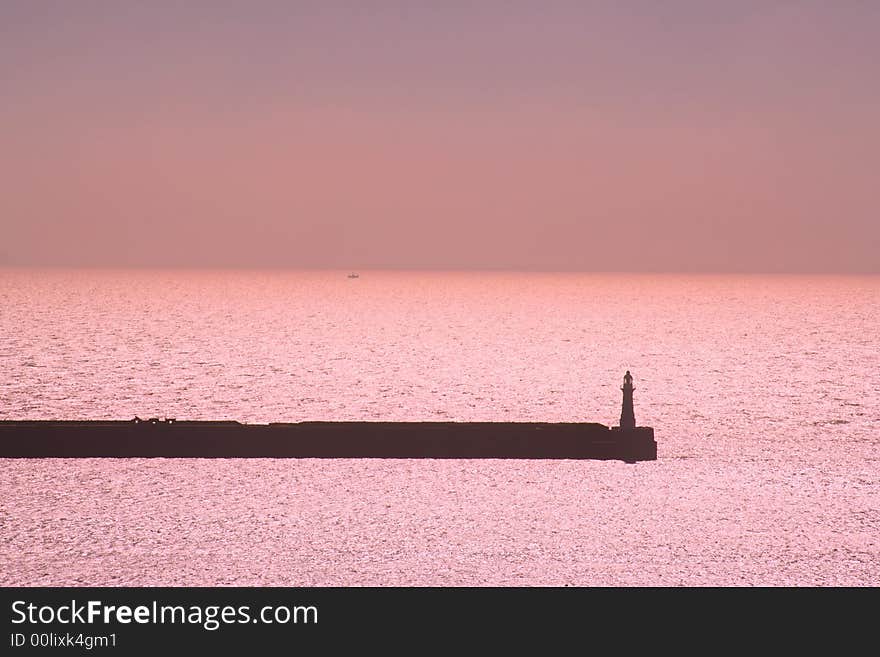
[[763, 392]]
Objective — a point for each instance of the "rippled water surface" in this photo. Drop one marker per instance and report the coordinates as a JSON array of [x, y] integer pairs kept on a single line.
[[763, 392]]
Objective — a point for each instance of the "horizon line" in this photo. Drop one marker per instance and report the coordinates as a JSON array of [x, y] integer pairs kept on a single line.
[[437, 269]]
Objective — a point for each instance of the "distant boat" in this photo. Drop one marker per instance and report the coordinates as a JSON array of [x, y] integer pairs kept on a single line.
[[353, 275]]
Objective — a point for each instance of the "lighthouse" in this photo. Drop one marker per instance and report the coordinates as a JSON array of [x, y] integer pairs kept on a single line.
[[627, 417]]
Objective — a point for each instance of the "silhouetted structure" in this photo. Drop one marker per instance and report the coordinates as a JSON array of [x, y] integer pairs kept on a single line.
[[172, 438], [627, 416]]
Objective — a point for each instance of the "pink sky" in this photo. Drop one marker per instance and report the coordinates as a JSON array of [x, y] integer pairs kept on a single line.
[[680, 136]]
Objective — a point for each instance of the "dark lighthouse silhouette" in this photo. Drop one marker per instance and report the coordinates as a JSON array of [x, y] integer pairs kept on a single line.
[[171, 438], [627, 415]]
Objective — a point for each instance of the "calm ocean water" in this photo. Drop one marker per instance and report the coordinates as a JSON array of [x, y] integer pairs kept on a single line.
[[763, 391]]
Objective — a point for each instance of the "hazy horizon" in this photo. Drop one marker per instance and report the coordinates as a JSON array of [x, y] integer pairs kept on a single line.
[[429, 270], [614, 137]]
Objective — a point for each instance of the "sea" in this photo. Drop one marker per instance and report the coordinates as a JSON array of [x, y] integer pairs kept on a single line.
[[763, 391]]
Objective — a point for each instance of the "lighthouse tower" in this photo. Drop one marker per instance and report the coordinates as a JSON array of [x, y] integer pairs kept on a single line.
[[627, 417]]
